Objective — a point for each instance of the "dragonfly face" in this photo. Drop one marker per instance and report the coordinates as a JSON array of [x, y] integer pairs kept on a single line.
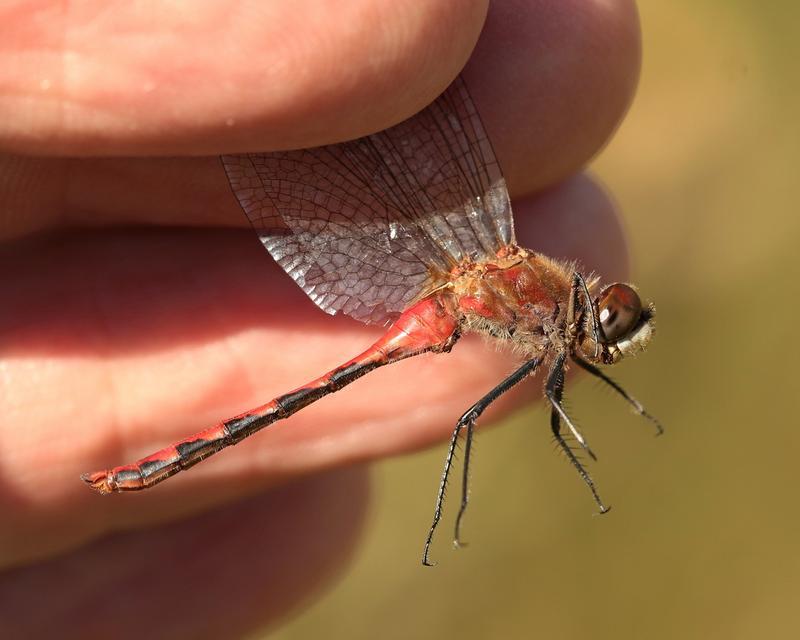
[[626, 325]]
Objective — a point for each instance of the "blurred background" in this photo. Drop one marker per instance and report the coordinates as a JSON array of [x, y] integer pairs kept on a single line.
[[703, 539]]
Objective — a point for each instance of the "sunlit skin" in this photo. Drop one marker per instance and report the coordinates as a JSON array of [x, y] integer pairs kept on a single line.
[[89, 372]]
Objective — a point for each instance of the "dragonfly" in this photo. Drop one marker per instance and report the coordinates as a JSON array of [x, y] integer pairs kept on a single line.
[[411, 228]]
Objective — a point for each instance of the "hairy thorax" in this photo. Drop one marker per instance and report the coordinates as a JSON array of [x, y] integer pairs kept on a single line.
[[519, 297]]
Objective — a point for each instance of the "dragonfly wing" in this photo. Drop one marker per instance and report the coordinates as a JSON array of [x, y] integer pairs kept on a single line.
[[367, 226]]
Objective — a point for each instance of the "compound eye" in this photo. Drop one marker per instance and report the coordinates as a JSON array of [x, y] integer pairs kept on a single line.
[[620, 308]]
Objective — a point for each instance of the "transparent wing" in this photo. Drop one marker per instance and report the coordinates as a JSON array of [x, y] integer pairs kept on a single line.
[[367, 226]]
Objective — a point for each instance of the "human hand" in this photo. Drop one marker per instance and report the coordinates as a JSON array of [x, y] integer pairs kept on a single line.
[[159, 314]]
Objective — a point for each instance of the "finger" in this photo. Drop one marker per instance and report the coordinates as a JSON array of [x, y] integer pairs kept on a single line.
[[203, 77], [220, 575], [547, 112], [145, 338]]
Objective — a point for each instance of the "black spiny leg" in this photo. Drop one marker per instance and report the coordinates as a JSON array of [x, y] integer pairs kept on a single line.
[[557, 373], [467, 421], [554, 391], [637, 406], [464, 484]]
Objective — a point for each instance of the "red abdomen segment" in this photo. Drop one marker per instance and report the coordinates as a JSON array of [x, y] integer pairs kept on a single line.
[[429, 325]]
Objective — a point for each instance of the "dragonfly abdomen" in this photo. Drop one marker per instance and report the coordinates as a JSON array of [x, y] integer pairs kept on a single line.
[[429, 325]]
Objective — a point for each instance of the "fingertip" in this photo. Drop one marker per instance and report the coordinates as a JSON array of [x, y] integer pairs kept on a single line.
[[552, 80]]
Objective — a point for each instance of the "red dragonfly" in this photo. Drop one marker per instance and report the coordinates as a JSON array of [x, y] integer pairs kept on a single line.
[[412, 228]]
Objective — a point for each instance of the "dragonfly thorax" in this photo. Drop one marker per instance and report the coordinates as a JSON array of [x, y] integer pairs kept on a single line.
[[521, 297]]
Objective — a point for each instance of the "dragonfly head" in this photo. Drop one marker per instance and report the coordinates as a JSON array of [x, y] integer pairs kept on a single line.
[[626, 324]]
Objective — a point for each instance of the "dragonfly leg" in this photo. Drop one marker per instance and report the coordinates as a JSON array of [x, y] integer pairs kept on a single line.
[[578, 288], [637, 406], [467, 421], [554, 381], [554, 390], [427, 326], [457, 541]]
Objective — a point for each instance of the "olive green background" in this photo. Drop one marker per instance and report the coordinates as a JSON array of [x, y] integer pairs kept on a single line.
[[703, 540]]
